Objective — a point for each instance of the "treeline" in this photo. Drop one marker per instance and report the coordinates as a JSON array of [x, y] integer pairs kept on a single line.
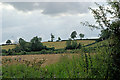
[[24, 46], [35, 45], [70, 44]]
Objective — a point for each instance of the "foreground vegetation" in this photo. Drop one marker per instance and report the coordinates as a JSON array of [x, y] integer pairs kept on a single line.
[[85, 65]]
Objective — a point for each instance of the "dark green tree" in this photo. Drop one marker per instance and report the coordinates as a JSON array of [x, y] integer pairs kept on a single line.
[[36, 44], [79, 46], [22, 44], [105, 34], [9, 52], [112, 23], [59, 39], [17, 49], [81, 35], [8, 42], [68, 44], [52, 37], [74, 45], [73, 34], [4, 51]]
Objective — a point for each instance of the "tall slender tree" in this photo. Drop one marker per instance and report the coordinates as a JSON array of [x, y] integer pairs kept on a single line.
[[52, 37]]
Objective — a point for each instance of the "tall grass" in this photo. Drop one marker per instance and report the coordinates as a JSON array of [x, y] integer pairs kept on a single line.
[[85, 65]]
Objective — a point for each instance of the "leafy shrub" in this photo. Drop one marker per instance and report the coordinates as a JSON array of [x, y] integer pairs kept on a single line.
[[17, 49], [72, 45], [9, 52], [23, 52], [4, 51], [43, 52]]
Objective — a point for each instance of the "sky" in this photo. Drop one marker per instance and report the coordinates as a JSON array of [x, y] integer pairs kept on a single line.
[[29, 19]]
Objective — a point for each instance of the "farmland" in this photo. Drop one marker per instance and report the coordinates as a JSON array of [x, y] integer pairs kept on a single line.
[[6, 47], [47, 58], [60, 65], [57, 45], [54, 65], [76, 57]]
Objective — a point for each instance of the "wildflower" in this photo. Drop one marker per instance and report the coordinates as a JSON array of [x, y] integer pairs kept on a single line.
[[19, 59]]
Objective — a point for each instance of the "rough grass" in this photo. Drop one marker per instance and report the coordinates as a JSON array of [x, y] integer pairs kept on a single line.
[[20, 59], [101, 43], [74, 67]]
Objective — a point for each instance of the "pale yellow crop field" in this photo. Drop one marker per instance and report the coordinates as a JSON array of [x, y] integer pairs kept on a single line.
[[57, 45], [6, 47], [62, 44]]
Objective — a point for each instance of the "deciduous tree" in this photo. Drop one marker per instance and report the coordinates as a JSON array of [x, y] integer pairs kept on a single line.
[[8, 42], [81, 35], [73, 34]]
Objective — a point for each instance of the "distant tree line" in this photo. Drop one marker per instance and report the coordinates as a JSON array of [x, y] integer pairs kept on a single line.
[[74, 35], [24, 46]]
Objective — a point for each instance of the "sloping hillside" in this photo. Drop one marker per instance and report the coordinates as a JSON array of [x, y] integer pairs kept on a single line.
[[57, 45]]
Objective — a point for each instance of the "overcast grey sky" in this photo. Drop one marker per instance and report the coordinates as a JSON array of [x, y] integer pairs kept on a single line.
[[29, 19]]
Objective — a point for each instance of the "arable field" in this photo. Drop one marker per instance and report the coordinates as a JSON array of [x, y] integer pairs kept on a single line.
[[77, 63], [57, 45], [47, 59], [6, 47], [62, 66], [62, 44]]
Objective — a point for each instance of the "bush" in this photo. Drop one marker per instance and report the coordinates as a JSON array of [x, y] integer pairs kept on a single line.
[[79, 46], [9, 52], [43, 52], [4, 51], [72, 45], [23, 52], [17, 49]]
